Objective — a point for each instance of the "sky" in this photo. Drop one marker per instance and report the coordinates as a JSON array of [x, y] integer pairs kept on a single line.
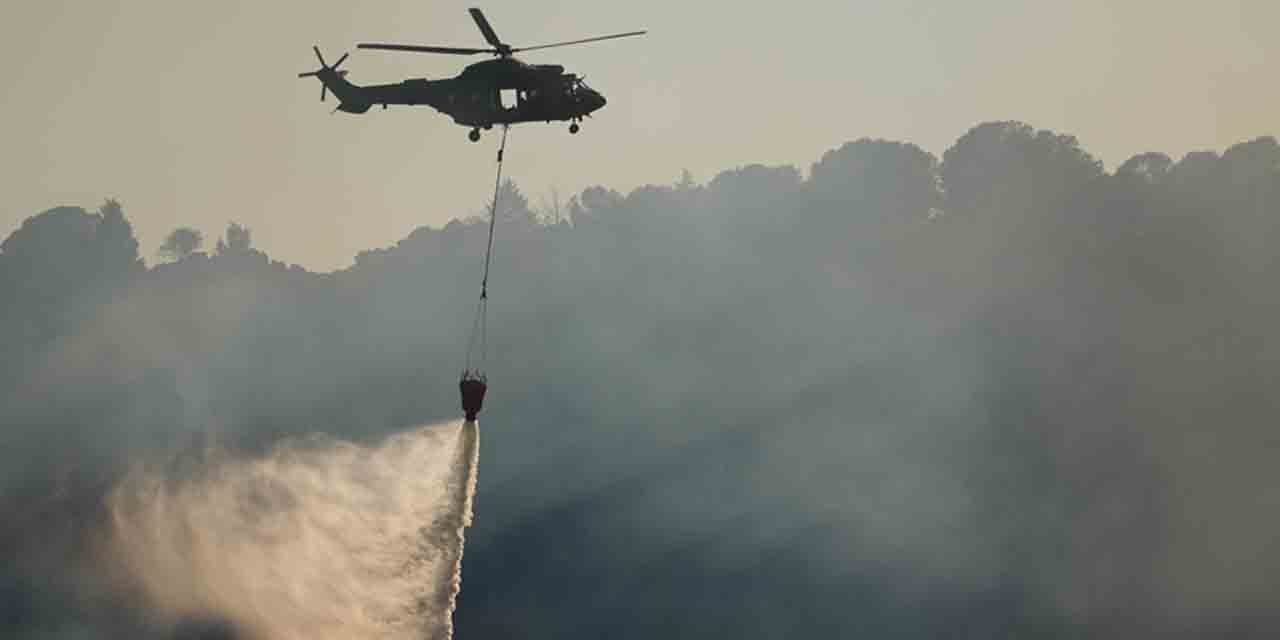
[[191, 113]]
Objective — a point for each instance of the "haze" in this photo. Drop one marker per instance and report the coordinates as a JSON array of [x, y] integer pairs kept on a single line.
[[962, 322], [191, 114]]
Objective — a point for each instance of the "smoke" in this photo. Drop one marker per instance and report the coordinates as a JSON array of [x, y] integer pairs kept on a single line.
[[1001, 393], [318, 539]]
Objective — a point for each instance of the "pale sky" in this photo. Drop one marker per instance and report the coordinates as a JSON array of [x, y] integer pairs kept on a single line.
[[191, 113]]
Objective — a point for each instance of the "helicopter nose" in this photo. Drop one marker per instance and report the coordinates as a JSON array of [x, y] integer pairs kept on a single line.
[[595, 101]]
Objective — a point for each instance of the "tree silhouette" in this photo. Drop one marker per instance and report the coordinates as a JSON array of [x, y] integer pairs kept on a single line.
[[115, 236], [236, 241], [181, 243], [1010, 169]]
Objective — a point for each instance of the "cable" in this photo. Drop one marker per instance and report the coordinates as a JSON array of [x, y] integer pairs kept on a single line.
[[493, 215], [482, 307]]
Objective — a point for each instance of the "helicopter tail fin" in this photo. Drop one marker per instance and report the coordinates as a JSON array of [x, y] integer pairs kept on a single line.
[[331, 79]]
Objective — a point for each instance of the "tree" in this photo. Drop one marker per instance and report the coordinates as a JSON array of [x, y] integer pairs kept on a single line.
[[115, 238], [237, 240], [1149, 168], [513, 205], [181, 243], [56, 268], [864, 199], [592, 203], [1001, 169], [552, 210], [686, 181], [877, 179], [752, 195]]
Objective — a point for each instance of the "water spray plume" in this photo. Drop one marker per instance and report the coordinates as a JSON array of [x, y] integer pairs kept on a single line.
[[319, 539]]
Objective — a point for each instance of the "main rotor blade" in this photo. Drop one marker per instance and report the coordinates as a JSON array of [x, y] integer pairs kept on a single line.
[[597, 39], [489, 35], [423, 49], [317, 50], [308, 74], [339, 62]]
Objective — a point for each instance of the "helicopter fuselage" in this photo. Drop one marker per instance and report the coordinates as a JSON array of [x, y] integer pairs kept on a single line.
[[475, 97]]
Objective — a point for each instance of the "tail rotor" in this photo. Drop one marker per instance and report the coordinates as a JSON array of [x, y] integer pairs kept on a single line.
[[324, 67]]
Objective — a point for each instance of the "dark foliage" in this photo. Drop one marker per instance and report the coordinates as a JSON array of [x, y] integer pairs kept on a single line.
[[1007, 394]]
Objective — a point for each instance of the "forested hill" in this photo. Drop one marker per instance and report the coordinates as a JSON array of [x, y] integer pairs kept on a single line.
[[1001, 393]]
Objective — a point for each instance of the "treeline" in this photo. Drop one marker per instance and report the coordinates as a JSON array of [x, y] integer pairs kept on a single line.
[[1004, 392]]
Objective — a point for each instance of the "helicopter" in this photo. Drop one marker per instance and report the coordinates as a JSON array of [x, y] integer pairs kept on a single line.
[[502, 91]]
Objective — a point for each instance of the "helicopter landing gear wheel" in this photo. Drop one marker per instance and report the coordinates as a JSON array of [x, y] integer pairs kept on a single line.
[[474, 136], [573, 128]]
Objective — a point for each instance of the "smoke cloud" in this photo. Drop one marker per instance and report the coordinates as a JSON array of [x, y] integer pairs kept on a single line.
[[1004, 392]]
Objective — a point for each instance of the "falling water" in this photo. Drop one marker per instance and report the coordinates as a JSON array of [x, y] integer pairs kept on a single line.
[[318, 539]]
